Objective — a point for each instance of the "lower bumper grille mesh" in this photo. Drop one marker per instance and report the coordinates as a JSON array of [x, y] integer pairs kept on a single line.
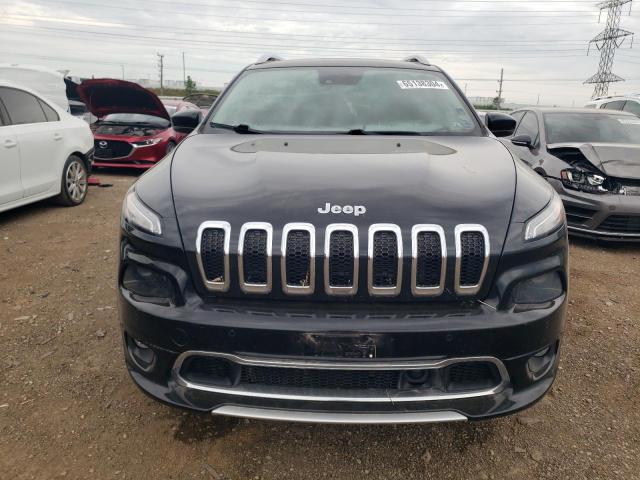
[[329, 379], [621, 224], [459, 377]]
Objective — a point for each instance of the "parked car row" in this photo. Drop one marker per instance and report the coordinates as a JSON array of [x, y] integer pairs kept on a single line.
[[134, 128]]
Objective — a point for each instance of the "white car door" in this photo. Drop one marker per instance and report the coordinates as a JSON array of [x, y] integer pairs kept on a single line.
[[10, 185], [40, 140]]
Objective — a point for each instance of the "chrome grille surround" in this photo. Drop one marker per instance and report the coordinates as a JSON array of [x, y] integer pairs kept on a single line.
[[298, 289], [384, 291], [263, 288], [459, 230], [435, 290], [338, 290], [214, 286]]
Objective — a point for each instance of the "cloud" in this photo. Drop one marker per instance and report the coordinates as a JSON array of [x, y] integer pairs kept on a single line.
[[541, 45]]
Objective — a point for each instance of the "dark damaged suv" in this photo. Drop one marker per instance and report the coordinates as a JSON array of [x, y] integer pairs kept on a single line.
[[343, 241]]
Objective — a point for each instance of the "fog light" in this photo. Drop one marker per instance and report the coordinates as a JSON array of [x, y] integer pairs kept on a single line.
[[540, 363], [540, 289], [142, 355], [148, 285]]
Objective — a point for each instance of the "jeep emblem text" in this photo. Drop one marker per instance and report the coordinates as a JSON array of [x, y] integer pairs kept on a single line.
[[347, 209]]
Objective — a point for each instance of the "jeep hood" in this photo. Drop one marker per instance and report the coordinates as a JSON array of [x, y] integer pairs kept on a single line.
[[615, 160], [105, 96], [400, 180]]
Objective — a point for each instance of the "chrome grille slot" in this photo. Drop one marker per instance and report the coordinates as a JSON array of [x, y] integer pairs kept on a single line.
[[429, 254], [298, 268], [212, 246], [341, 259], [385, 260], [254, 257], [472, 258]]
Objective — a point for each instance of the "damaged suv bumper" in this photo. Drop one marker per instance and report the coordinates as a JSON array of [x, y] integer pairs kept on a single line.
[[452, 363]]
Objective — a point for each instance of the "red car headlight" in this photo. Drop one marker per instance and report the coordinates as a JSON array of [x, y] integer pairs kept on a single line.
[[147, 143]]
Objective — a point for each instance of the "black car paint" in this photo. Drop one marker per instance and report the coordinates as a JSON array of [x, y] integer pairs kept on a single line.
[[282, 179]]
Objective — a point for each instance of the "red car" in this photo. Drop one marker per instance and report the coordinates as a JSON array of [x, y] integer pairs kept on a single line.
[[133, 130]]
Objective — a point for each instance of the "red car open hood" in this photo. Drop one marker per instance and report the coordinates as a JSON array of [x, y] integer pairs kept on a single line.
[[107, 95]]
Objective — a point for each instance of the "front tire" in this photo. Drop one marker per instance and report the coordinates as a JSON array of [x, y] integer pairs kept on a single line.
[[74, 182]]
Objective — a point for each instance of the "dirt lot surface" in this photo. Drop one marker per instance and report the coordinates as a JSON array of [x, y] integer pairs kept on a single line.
[[69, 410]]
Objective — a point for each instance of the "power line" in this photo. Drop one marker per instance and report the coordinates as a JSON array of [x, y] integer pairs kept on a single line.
[[608, 41], [261, 46], [305, 20], [315, 38], [430, 11]]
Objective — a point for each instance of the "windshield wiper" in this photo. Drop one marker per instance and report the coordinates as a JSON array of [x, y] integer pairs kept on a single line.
[[361, 131], [240, 128]]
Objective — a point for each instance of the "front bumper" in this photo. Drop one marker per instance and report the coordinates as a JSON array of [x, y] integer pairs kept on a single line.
[[141, 158], [308, 335], [589, 215]]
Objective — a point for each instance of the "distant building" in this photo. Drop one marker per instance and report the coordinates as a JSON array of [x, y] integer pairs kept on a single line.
[[484, 100]]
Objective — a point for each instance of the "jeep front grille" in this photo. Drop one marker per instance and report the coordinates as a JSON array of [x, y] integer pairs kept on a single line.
[[472, 258], [385, 260], [341, 259], [298, 267], [212, 245], [254, 257], [429, 255], [341, 254]]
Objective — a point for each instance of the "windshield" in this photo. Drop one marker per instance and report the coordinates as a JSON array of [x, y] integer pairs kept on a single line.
[[136, 118], [591, 128], [345, 99]]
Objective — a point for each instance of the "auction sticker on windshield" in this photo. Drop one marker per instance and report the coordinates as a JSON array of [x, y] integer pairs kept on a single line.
[[434, 84]]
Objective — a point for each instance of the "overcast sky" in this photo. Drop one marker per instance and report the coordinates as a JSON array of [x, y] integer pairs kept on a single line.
[[542, 46]]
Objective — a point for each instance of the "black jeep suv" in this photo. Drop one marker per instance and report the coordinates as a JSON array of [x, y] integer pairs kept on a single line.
[[343, 241]]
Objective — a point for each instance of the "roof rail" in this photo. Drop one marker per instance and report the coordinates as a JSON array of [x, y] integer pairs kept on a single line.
[[269, 57], [417, 59]]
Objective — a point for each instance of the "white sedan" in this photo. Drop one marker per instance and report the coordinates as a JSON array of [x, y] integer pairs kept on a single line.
[[44, 151]]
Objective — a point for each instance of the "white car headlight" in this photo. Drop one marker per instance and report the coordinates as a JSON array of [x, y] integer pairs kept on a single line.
[[548, 220], [136, 213]]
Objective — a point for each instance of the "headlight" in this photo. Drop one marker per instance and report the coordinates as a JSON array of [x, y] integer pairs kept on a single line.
[[584, 181], [147, 143], [549, 219], [136, 213]]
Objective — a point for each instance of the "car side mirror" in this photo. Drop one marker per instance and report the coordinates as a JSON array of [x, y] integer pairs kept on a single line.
[[186, 121], [522, 141], [500, 124]]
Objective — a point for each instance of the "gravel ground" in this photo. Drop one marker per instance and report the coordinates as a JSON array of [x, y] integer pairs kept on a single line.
[[69, 410]]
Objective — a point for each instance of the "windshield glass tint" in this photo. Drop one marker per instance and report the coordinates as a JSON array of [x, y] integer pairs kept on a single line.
[[591, 128], [137, 118], [340, 99]]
